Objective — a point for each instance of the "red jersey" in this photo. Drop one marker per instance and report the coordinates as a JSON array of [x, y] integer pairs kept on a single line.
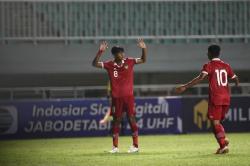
[[218, 73], [121, 77]]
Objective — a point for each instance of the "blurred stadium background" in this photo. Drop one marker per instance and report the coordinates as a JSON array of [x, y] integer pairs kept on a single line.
[[49, 45], [48, 87], [47, 48]]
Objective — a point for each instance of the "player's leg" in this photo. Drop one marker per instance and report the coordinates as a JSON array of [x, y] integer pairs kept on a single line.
[[225, 109], [117, 115], [132, 123], [115, 130], [134, 128], [215, 114], [222, 139], [219, 133]]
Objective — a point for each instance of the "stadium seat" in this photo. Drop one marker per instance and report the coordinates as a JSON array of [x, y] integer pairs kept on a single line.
[[160, 19]]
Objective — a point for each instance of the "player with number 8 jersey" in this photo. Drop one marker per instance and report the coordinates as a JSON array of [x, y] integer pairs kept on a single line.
[[217, 73], [121, 75]]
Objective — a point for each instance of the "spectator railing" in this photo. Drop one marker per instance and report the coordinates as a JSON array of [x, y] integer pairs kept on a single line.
[[101, 92]]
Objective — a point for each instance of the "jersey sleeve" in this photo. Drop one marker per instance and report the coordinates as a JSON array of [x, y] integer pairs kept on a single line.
[[205, 69], [230, 72], [105, 65], [134, 60]]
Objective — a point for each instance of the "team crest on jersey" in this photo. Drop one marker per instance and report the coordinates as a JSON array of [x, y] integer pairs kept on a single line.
[[126, 66]]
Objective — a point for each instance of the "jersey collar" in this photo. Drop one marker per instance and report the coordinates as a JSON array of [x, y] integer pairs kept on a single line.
[[123, 61], [216, 59]]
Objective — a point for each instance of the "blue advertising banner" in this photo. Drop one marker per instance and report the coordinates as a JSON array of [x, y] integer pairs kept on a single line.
[[195, 115], [74, 118]]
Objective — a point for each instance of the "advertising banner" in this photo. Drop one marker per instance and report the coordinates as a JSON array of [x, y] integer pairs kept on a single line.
[[74, 118], [195, 115], [77, 118]]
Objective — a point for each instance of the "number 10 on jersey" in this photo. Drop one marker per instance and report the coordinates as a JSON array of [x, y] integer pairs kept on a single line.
[[220, 74]]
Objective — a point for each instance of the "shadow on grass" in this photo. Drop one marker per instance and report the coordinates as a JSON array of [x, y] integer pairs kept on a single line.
[[105, 153], [169, 154], [205, 156]]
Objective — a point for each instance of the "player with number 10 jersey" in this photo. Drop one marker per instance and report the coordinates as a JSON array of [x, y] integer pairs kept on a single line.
[[217, 73]]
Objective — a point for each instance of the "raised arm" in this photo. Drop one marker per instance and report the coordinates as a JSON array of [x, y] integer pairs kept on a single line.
[[193, 82], [96, 62], [142, 45]]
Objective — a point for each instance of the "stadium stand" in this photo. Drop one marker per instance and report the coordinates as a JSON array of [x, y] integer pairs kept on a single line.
[[49, 44], [166, 21]]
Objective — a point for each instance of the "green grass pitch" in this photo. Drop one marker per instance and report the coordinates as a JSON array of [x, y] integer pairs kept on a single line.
[[163, 150]]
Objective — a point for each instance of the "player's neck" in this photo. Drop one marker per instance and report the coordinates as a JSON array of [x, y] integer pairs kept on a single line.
[[118, 61]]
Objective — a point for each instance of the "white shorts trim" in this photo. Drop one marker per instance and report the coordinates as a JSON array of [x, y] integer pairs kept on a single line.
[[137, 59]]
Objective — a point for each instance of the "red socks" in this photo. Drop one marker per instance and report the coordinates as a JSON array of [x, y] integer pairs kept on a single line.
[[116, 129], [135, 139], [219, 133], [134, 129]]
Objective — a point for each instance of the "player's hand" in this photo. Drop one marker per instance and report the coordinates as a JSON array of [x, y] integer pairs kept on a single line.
[[102, 121], [180, 89], [141, 44], [103, 46]]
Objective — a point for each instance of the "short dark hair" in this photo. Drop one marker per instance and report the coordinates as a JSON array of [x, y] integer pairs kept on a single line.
[[214, 50], [116, 49]]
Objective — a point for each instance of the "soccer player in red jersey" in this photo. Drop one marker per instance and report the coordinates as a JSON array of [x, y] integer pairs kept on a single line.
[[217, 73], [121, 74]]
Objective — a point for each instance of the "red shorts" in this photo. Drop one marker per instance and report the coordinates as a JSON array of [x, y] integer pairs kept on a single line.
[[217, 112], [121, 104]]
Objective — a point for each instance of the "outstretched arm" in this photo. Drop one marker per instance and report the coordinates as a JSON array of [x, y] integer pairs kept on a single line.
[[96, 62], [193, 82], [142, 45]]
